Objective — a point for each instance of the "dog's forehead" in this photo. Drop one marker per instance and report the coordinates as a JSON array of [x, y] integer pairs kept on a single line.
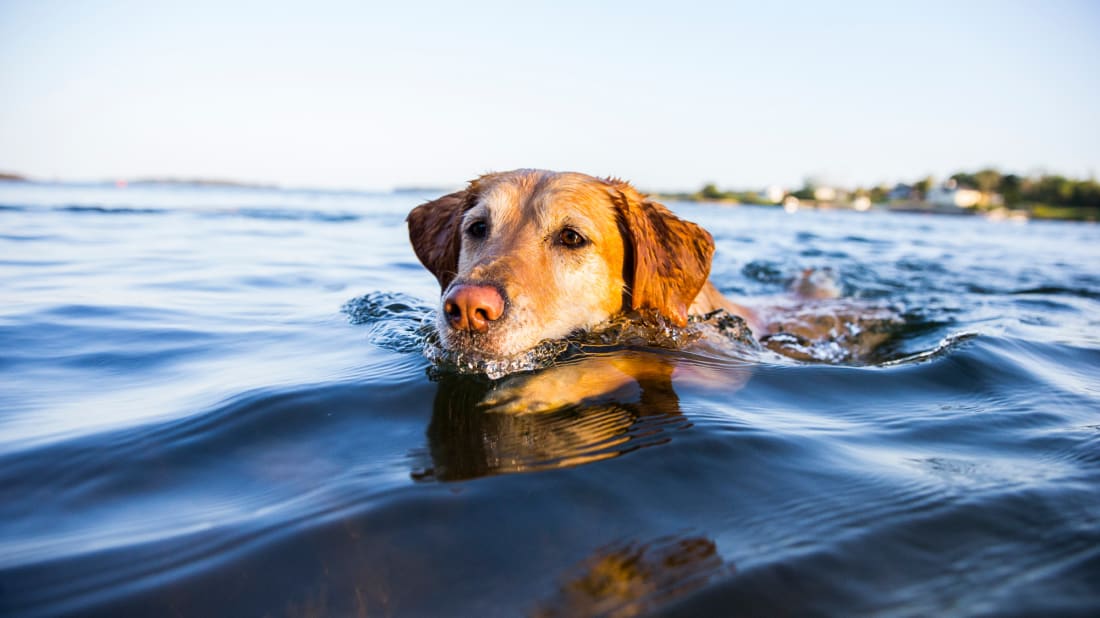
[[545, 198]]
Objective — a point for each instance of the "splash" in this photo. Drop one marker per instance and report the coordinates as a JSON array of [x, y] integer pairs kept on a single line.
[[395, 322], [833, 331], [719, 331], [543, 355], [823, 332]]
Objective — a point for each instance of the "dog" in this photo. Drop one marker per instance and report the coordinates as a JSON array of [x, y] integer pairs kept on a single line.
[[530, 255], [527, 256]]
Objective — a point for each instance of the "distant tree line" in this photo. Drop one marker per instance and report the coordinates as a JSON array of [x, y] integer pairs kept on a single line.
[[1016, 190], [1051, 189], [711, 193]]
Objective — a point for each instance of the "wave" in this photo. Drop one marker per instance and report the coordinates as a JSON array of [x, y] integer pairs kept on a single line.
[[1053, 290], [945, 346]]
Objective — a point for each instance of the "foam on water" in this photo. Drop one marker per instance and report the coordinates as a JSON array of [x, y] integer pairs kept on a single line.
[[403, 324], [396, 322]]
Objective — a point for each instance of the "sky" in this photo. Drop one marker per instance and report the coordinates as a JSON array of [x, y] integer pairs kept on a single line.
[[375, 95]]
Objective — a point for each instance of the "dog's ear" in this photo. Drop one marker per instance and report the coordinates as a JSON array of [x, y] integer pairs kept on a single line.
[[668, 259], [435, 233]]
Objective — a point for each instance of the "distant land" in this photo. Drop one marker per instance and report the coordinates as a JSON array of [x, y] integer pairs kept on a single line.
[[984, 192], [223, 182], [156, 180], [200, 182]]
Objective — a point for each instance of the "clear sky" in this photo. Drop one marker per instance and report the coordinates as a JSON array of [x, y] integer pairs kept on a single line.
[[667, 94]]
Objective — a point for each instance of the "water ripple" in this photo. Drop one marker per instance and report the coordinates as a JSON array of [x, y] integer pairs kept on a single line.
[[189, 424]]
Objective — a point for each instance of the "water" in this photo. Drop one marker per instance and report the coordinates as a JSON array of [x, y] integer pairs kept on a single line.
[[215, 401]]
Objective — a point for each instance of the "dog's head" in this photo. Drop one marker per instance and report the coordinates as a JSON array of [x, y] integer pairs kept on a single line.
[[529, 255]]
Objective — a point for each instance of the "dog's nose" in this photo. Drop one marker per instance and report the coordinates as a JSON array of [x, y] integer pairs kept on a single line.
[[473, 307]]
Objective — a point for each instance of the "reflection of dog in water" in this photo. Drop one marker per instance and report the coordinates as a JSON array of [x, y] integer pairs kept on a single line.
[[628, 579], [529, 255], [473, 432]]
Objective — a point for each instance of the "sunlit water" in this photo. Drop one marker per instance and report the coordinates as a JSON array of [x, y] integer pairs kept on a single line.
[[217, 402]]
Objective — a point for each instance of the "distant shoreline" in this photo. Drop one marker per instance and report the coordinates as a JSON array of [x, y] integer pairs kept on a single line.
[[200, 182], [219, 183], [197, 182], [1020, 212], [1015, 212]]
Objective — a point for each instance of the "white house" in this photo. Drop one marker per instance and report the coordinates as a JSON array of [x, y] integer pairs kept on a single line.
[[861, 203], [773, 194], [950, 194], [825, 194]]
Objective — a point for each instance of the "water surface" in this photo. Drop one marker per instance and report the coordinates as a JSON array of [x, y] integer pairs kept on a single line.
[[214, 401]]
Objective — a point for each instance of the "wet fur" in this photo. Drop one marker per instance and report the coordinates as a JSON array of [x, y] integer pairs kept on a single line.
[[639, 255]]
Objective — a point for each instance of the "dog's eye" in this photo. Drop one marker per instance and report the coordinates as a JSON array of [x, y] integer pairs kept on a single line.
[[571, 238], [477, 229]]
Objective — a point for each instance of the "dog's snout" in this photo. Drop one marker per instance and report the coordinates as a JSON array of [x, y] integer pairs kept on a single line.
[[473, 307]]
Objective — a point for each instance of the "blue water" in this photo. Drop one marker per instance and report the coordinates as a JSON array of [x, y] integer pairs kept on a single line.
[[214, 401]]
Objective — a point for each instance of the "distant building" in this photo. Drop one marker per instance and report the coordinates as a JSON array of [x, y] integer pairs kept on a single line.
[[861, 203], [790, 204], [825, 194], [951, 194], [900, 192], [773, 194]]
